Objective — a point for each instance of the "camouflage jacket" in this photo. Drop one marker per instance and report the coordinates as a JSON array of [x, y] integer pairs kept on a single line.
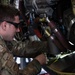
[[8, 66]]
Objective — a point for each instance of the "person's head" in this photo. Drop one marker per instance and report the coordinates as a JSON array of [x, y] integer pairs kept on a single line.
[[9, 22]]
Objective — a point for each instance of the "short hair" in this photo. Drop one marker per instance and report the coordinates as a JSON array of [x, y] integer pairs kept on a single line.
[[8, 12]]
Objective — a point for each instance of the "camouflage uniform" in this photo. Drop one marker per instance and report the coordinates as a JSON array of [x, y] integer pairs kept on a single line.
[[8, 66]]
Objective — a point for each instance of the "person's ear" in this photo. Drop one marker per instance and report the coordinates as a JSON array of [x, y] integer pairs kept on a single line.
[[3, 25]]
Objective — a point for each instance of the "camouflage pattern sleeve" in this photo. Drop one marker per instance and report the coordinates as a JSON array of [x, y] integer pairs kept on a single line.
[[32, 68], [27, 48]]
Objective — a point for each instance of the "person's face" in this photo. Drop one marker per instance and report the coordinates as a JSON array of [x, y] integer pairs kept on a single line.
[[11, 29]]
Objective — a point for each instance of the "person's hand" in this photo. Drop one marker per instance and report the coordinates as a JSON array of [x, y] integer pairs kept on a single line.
[[41, 58]]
